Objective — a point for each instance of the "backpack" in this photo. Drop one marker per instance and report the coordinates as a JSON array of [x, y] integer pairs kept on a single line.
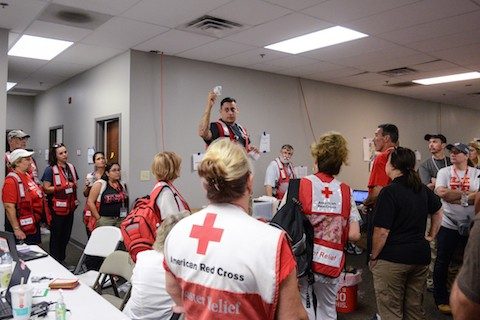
[[139, 228], [290, 218]]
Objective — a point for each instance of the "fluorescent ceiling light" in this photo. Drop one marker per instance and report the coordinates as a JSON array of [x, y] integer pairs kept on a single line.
[[450, 78], [317, 39], [10, 85], [38, 47]]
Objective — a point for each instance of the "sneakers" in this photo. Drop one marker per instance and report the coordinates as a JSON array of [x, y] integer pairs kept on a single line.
[[353, 249], [444, 308]]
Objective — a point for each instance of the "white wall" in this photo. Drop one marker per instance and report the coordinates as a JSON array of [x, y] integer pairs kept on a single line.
[[20, 111], [3, 101], [99, 92]]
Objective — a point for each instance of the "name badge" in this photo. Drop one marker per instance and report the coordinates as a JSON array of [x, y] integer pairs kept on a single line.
[[61, 204], [88, 213], [123, 212], [26, 221], [68, 190]]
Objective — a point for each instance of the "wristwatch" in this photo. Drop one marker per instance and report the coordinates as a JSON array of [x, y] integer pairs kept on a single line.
[[16, 228]]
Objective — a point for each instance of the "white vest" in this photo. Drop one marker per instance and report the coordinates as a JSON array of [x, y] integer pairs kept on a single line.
[[226, 263]]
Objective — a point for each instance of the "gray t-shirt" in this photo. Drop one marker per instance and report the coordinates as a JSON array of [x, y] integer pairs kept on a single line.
[[429, 168]]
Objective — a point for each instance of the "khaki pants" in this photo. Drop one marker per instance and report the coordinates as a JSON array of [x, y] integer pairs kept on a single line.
[[399, 290], [109, 221]]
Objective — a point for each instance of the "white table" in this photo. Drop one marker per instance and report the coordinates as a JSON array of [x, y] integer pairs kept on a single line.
[[83, 301]]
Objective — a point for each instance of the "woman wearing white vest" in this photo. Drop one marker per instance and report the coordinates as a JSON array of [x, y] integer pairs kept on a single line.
[[221, 263], [330, 207]]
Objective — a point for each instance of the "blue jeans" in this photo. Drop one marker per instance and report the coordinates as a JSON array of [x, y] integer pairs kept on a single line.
[[447, 242]]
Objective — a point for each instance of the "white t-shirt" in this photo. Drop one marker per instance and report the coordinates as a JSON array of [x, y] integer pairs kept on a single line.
[[167, 203], [272, 175], [456, 212], [149, 299]]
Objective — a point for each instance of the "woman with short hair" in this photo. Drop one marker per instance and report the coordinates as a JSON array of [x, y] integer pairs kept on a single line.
[[149, 298], [220, 262], [22, 199], [329, 205], [400, 250]]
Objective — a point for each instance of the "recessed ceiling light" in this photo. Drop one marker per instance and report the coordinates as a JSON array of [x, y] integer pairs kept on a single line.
[[38, 47], [316, 40], [450, 78], [10, 85]]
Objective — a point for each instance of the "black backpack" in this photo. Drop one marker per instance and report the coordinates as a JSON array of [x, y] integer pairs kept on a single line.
[[290, 218]]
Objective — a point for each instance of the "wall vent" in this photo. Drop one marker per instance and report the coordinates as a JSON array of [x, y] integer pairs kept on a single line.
[[405, 84], [398, 72], [212, 26]]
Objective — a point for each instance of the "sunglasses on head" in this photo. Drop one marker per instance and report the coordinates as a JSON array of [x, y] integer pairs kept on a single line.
[[58, 145]]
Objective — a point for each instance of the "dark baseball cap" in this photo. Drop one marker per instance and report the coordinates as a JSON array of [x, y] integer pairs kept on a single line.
[[463, 148], [440, 136]]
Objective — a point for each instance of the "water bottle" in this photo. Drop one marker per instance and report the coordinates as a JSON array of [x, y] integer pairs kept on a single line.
[[5, 269], [60, 308]]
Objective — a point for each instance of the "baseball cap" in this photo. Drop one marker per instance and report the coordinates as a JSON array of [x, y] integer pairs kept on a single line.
[[440, 136], [19, 153], [17, 134], [463, 148]]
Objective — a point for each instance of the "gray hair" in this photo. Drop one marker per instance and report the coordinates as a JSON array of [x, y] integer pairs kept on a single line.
[[165, 228]]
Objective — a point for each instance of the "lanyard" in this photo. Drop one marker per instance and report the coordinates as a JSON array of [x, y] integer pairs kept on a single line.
[[435, 163], [464, 183]]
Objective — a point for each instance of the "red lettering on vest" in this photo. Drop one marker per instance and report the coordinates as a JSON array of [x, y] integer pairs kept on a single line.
[[326, 192], [206, 233]]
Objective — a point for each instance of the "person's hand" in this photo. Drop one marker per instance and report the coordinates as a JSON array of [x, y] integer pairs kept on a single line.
[[254, 149], [178, 309], [433, 180], [429, 238], [372, 264], [212, 97], [19, 234]]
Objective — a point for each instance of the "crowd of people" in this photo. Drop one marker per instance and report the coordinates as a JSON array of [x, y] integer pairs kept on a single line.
[[220, 263]]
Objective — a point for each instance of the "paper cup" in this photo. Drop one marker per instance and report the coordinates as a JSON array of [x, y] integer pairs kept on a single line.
[[5, 275], [218, 90], [21, 301]]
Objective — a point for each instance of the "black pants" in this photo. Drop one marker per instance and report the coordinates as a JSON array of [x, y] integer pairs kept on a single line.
[[447, 242], [60, 231]]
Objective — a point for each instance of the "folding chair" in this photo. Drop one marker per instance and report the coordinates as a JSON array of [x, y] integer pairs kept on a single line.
[[117, 264], [103, 241]]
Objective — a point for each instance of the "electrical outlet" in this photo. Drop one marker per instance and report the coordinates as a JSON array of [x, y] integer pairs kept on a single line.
[[144, 175]]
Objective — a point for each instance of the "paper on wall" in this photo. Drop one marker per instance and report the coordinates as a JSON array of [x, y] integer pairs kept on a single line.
[[368, 149], [196, 159], [265, 142], [90, 153], [300, 171]]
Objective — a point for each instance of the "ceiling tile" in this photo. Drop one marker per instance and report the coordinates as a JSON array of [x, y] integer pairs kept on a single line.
[[335, 73], [434, 66], [296, 4], [61, 69], [252, 57], [114, 7], [19, 14], [41, 84], [20, 68], [274, 31], [56, 31], [171, 13], [87, 55], [292, 61], [122, 33], [174, 41], [305, 70], [12, 38], [452, 25], [249, 12], [215, 50], [340, 11], [409, 15], [466, 55], [447, 42], [265, 66]]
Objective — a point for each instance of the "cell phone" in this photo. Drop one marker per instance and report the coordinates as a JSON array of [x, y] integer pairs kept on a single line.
[[40, 309]]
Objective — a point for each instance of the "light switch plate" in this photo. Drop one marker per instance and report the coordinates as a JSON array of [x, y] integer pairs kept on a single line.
[[144, 175]]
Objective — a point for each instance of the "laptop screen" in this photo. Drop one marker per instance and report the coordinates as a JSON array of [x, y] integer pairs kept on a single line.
[[359, 196], [21, 271], [8, 244]]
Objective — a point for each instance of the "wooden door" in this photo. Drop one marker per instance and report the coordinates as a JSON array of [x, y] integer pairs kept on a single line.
[[112, 138]]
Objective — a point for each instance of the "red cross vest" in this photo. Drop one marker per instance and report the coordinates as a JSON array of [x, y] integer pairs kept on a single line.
[[224, 131], [64, 199], [27, 218], [285, 176], [227, 264], [326, 202], [181, 202]]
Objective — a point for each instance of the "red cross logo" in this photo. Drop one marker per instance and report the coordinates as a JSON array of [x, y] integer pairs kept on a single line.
[[326, 192], [206, 233]]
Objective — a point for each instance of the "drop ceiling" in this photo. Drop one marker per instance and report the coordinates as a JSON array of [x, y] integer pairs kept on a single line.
[[432, 37]]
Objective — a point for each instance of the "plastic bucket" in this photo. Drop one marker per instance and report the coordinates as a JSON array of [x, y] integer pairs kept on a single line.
[[347, 299]]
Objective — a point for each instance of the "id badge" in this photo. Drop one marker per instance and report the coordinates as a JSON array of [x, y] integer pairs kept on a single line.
[[123, 212], [68, 190], [26, 221], [464, 200]]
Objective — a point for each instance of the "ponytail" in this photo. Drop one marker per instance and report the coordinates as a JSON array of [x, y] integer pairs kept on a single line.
[[403, 159]]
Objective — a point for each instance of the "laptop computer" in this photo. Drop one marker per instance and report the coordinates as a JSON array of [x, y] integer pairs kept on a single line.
[[21, 271], [8, 244], [359, 196]]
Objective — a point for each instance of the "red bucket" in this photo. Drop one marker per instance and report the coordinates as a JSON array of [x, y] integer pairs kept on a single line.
[[347, 299]]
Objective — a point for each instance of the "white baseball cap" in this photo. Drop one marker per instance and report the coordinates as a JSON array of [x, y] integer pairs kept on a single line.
[[19, 153]]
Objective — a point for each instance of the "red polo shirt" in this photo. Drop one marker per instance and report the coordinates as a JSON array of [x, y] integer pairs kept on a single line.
[[378, 176]]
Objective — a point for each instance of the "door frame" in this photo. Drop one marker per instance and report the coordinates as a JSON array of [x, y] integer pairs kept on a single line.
[[100, 133]]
